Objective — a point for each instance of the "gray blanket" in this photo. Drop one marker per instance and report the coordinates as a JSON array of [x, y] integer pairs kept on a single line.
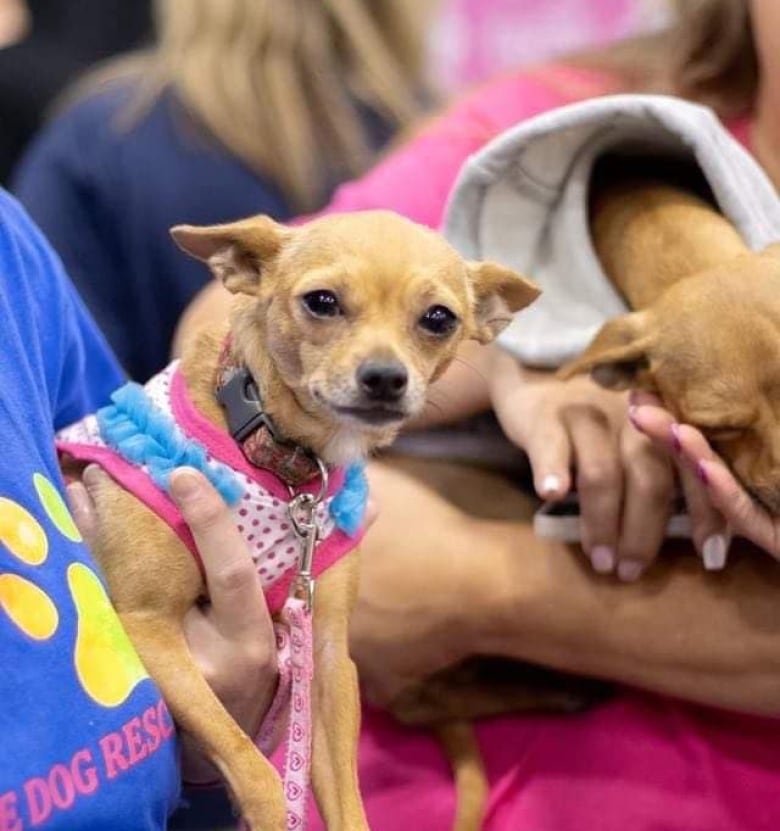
[[522, 201]]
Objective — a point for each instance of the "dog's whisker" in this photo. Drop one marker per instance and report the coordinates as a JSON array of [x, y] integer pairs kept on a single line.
[[430, 403], [460, 360], [443, 397]]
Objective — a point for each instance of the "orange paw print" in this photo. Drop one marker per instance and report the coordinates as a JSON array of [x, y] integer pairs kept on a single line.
[[106, 663]]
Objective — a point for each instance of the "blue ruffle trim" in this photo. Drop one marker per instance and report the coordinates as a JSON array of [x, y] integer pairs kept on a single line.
[[348, 506], [144, 435]]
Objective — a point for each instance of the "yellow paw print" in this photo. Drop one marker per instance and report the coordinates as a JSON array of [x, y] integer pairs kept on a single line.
[[106, 663]]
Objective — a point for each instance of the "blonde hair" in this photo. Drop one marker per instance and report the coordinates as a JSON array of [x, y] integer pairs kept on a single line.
[[707, 54], [284, 84]]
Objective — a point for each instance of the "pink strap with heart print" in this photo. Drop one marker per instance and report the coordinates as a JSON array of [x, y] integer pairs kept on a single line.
[[296, 669], [297, 764]]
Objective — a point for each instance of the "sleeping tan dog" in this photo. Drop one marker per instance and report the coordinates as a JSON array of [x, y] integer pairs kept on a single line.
[[705, 337], [705, 331], [342, 324]]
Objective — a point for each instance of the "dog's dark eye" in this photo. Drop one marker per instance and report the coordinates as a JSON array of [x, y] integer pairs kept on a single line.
[[321, 303], [439, 320]]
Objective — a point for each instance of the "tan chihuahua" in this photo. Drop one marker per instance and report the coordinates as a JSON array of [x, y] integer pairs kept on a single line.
[[342, 323], [705, 331]]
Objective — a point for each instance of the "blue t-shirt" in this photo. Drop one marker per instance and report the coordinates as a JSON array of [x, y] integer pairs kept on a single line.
[[85, 739], [106, 196]]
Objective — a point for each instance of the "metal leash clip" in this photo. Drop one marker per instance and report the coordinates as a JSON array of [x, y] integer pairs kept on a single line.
[[302, 511]]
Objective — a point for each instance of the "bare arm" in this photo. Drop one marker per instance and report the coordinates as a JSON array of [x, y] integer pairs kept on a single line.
[[459, 586], [712, 639]]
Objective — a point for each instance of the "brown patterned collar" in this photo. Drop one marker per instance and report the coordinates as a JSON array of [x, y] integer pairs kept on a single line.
[[253, 429]]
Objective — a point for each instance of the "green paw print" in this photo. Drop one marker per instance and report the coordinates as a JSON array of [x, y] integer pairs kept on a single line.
[[104, 659]]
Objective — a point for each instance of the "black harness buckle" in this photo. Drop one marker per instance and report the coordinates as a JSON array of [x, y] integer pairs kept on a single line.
[[243, 406]]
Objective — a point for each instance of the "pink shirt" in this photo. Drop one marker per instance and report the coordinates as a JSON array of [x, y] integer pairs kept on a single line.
[[416, 179], [639, 762]]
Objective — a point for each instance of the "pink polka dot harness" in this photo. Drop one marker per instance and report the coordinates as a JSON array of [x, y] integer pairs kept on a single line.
[[260, 498]]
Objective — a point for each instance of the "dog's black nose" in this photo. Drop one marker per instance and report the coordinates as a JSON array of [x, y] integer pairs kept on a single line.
[[383, 380]]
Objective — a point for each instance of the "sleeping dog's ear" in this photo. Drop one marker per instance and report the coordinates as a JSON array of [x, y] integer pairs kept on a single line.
[[237, 253], [498, 293], [619, 356]]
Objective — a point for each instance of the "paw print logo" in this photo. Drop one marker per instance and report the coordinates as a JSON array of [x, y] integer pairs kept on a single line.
[[106, 664]]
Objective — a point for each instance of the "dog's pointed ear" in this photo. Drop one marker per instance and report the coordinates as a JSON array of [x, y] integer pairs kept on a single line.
[[618, 357], [498, 293], [237, 253]]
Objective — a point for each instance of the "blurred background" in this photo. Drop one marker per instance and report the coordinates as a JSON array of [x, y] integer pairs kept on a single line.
[[470, 40], [122, 118], [45, 44]]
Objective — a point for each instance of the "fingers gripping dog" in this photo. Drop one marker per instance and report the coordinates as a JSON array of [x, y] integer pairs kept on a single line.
[[337, 330]]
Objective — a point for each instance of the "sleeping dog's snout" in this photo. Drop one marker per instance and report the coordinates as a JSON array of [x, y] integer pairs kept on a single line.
[[382, 382], [768, 497]]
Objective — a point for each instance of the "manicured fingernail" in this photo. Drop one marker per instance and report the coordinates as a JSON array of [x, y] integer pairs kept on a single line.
[[185, 484], [551, 484], [714, 552], [630, 570], [701, 472], [602, 558], [674, 431]]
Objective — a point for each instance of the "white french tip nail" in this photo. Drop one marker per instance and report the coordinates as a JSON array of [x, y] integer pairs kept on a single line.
[[714, 552], [551, 484], [602, 558]]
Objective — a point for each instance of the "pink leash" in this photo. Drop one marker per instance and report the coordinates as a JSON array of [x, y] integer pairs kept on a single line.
[[294, 642], [296, 668]]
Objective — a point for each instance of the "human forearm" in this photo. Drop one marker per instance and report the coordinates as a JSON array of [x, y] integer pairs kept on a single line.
[[679, 631], [457, 586]]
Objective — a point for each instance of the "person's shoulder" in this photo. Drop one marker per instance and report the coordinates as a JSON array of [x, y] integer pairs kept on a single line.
[[529, 90], [18, 233], [83, 128], [94, 112], [30, 270], [80, 151], [12, 215]]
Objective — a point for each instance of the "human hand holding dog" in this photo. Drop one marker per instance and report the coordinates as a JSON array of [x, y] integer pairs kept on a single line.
[[231, 637], [625, 484], [721, 507]]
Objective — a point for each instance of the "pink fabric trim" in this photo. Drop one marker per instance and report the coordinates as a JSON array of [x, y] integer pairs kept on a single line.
[[134, 480], [223, 448]]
